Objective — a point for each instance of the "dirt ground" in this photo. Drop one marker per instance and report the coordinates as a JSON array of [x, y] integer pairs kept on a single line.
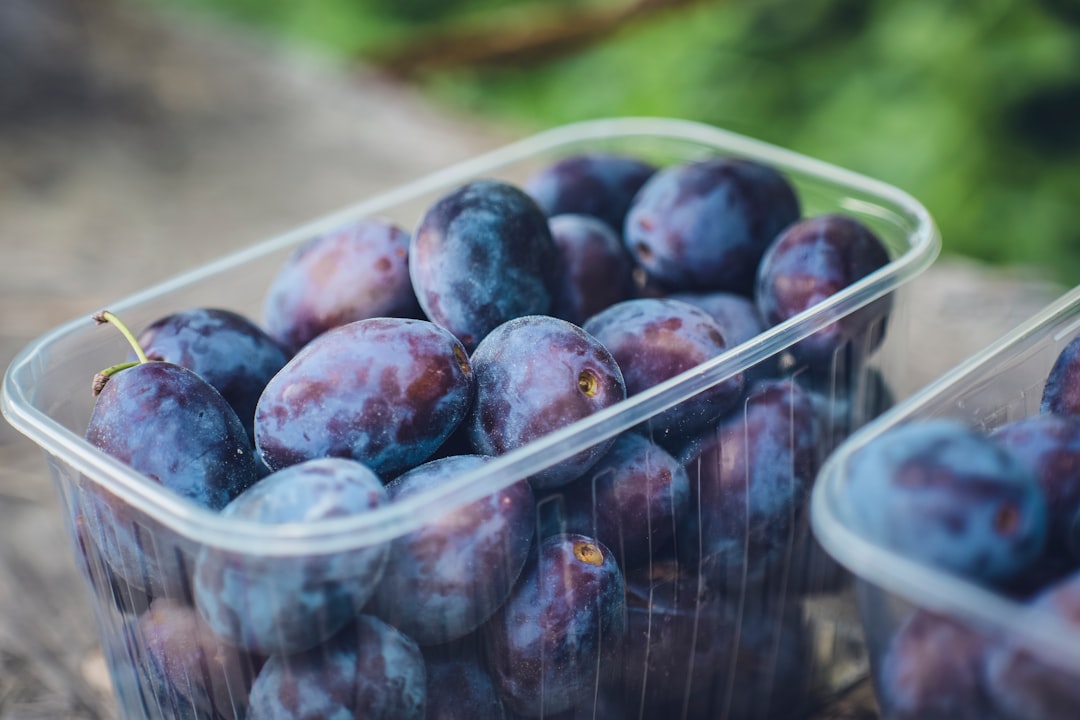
[[132, 147], [136, 145]]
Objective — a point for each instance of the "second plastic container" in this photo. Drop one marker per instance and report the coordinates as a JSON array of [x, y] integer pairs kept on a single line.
[[982, 653]]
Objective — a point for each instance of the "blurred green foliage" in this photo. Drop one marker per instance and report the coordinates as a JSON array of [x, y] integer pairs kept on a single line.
[[972, 107]]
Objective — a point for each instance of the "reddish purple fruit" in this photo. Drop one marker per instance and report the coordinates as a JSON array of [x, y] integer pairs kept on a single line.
[[653, 340], [356, 272], [1050, 445], [196, 665], [459, 688], [368, 670], [291, 602], [810, 262], [1061, 393], [694, 653], [564, 620], [704, 225], [752, 476], [632, 499], [601, 185], [385, 392], [1025, 686], [932, 670], [596, 271], [447, 577], [172, 426], [534, 375]]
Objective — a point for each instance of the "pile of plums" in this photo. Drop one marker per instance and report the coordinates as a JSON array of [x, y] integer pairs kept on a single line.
[[655, 572], [1000, 508]]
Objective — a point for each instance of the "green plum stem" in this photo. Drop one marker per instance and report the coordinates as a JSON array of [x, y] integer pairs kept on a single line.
[[107, 317], [102, 377]]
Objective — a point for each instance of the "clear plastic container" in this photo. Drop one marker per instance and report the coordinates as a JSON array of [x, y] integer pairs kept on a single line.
[[1024, 663], [763, 642]]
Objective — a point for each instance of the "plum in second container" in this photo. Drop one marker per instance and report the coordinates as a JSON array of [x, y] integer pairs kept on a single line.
[[1025, 686], [1050, 445], [948, 495], [932, 670], [1061, 392]]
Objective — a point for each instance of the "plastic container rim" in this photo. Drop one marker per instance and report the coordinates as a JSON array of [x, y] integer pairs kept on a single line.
[[917, 583], [402, 516]]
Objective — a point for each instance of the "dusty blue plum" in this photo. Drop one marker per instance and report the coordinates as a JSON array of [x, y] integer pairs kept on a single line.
[[143, 559], [563, 621], [534, 375], [109, 588], [368, 670], [631, 500], [705, 224], [460, 688], [750, 480], [174, 427], [357, 271], [810, 262], [223, 347], [139, 683], [446, 578], [739, 320], [693, 652], [1050, 445], [655, 339], [270, 603], [1061, 391], [384, 391], [931, 669], [197, 666], [596, 270], [177, 430], [481, 255], [943, 493], [1025, 686], [599, 184]]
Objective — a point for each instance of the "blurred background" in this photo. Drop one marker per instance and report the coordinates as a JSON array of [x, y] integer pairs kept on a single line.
[[972, 107]]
